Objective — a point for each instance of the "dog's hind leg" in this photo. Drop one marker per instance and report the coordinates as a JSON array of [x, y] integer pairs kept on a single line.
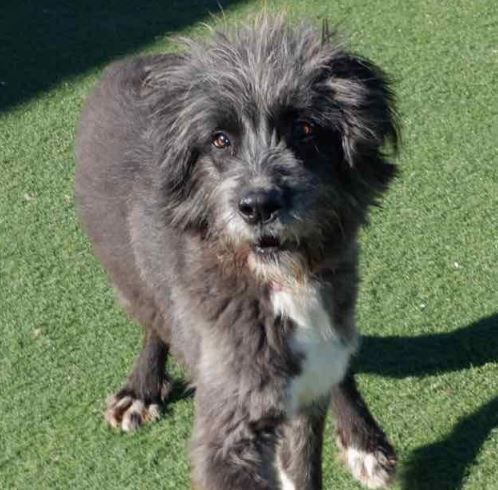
[[364, 446], [148, 385], [299, 458]]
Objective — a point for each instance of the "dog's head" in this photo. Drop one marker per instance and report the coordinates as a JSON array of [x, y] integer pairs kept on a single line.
[[273, 141]]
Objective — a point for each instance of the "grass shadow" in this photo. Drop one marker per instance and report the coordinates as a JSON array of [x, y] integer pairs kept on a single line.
[[443, 464], [42, 43]]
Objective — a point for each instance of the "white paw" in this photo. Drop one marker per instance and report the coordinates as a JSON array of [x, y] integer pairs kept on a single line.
[[372, 469], [128, 413]]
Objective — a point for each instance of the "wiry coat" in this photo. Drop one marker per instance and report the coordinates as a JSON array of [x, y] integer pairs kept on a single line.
[[160, 204]]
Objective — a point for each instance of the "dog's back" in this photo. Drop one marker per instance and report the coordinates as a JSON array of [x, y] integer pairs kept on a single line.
[[110, 153]]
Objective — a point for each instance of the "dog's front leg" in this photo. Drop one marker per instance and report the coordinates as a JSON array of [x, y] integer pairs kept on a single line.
[[364, 446], [299, 456], [229, 452]]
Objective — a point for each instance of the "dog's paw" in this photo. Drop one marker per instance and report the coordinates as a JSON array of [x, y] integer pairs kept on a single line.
[[128, 413], [374, 469]]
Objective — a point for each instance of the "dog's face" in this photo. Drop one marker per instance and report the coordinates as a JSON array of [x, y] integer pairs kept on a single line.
[[278, 138], [273, 186]]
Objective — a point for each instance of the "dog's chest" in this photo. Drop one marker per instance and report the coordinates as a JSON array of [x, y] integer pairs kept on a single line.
[[324, 355]]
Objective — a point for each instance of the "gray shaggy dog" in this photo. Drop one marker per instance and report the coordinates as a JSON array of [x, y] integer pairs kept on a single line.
[[223, 189]]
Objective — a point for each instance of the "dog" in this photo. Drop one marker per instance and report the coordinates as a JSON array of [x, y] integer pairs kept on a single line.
[[223, 189]]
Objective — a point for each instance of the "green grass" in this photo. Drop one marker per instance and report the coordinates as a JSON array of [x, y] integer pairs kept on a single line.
[[429, 300]]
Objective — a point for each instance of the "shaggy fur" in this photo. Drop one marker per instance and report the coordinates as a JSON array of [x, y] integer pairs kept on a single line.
[[223, 189]]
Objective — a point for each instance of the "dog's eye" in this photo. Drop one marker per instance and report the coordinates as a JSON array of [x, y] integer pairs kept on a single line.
[[303, 130], [221, 140]]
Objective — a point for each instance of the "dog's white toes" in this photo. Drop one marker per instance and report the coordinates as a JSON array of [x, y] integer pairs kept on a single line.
[[128, 413], [372, 469]]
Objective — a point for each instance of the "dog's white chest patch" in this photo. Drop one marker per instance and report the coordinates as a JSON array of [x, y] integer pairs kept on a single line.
[[325, 355]]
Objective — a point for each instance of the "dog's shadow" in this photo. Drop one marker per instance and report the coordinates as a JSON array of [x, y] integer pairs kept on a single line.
[[441, 465], [180, 390]]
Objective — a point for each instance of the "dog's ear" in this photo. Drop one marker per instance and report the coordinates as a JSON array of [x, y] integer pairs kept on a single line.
[[177, 166], [162, 92], [176, 149], [176, 152], [179, 187], [178, 184], [362, 109], [364, 105]]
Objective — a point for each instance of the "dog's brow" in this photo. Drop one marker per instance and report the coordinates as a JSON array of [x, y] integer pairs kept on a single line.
[[228, 120]]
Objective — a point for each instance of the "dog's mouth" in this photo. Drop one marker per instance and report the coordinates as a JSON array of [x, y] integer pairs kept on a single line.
[[267, 245]]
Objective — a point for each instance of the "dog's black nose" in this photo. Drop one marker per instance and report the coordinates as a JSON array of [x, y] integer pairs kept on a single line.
[[260, 206]]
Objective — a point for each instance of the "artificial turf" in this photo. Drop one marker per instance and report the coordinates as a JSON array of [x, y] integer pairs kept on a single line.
[[429, 298]]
